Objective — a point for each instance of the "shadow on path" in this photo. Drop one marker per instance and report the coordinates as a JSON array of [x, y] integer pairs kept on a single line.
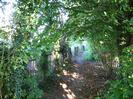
[[83, 82]]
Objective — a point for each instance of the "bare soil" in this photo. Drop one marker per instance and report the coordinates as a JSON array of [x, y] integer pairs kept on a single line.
[[82, 82]]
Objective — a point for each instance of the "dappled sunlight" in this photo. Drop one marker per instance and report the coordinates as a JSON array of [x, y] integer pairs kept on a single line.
[[69, 93], [83, 82], [66, 49], [73, 74], [65, 72]]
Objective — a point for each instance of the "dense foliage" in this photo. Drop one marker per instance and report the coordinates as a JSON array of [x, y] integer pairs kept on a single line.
[[122, 88], [38, 25]]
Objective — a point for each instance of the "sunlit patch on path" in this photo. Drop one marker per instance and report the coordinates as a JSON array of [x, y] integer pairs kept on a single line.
[[82, 83], [68, 91], [73, 75]]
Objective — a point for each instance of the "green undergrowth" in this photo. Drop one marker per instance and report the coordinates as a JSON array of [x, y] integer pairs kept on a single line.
[[122, 87]]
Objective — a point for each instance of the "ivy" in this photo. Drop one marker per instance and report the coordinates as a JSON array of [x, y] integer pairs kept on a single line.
[[38, 25]]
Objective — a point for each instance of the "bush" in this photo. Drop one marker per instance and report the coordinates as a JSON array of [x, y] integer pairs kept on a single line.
[[122, 88]]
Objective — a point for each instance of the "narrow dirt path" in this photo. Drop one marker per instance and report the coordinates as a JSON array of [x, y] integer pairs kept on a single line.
[[83, 82]]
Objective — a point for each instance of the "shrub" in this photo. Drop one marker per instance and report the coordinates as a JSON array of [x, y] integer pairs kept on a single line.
[[122, 88]]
